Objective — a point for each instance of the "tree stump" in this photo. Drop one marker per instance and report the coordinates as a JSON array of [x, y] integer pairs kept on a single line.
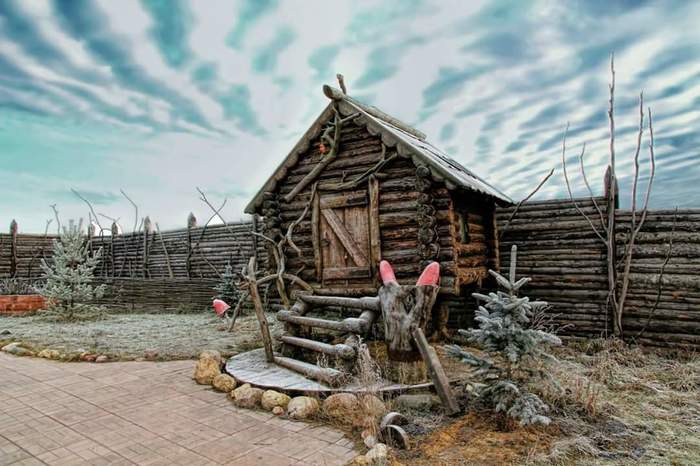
[[404, 309]]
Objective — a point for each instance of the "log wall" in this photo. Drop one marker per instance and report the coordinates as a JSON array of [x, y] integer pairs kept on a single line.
[[567, 264], [676, 320], [398, 214]]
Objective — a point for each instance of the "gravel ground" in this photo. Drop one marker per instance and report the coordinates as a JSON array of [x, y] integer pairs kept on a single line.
[[130, 336]]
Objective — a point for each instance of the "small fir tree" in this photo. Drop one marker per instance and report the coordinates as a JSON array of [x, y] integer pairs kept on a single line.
[[227, 289], [515, 350], [69, 275]]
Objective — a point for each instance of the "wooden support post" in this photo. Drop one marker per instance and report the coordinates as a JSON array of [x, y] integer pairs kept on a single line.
[[13, 248], [259, 311], [437, 373]]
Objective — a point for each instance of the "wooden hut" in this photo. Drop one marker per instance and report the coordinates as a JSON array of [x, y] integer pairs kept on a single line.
[[361, 186]]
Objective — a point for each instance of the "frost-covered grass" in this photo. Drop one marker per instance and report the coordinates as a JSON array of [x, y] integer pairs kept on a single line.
[[130, 336]]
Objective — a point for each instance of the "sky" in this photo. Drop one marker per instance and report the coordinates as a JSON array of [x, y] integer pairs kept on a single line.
[[158, 97]]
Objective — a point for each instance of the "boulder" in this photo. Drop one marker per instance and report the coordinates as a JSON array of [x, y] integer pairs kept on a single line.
[[150, 355], [302, 407], [49, 354], [372, 406], [246, 396], [88, 357], [378, 455], [278, 410], [17, 349], [370, 441], [224, 383], [272, 399], [417, 402], [208, 366], [341, 407], [360, 460], [102, 358]]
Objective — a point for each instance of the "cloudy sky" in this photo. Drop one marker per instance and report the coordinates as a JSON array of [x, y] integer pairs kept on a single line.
[[157, 97]]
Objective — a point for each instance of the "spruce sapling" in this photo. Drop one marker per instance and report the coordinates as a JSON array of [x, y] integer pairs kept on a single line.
[[515, 349], [69, 274]]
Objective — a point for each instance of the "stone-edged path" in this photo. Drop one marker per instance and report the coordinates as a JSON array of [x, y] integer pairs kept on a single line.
[[143, 413]]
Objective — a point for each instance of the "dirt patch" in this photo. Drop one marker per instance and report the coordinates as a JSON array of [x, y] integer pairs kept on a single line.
[[129, 336], [610, 404], [476, 439]]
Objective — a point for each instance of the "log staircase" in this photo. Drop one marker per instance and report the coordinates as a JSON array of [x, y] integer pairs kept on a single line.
[[303, 344]]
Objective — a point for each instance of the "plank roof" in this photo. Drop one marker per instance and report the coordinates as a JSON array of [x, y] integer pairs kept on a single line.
[[408, 142]]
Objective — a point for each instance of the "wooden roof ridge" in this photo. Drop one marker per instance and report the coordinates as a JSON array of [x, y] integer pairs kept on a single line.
[[408, 141]]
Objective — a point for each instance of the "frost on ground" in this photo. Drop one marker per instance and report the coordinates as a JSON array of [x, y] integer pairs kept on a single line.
[[129, 336]]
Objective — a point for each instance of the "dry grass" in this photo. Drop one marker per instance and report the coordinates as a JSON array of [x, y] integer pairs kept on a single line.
[[610, 404], [129, 336]]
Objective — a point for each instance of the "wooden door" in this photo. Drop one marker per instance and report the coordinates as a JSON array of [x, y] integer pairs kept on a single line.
[[346, 239]]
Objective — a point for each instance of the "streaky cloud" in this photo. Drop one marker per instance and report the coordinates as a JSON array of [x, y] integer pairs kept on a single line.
[[87, 24], [265, 59], [172, 22], [250, 12]]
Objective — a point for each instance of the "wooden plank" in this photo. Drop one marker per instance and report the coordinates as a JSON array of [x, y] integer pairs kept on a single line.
[[342, 273], [315, 235], [375, 247], [344, 236], [436, 371], [356, 221], [334, 254], [350, 199]]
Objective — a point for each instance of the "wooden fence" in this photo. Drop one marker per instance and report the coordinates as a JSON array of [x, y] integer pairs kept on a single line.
[[556, 247], [567, 263], [166, 270]]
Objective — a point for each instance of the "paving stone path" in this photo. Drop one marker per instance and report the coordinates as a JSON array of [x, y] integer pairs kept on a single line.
[[149, 413]]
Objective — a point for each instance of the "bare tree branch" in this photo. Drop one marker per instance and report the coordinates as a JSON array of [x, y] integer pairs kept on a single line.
[[58, 221], [568, 185], [634, 229], [136, 209], [89, 206], [288, 236], [524, 200], [590, 191]]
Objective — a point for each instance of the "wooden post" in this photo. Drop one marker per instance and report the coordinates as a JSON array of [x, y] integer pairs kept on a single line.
[[116, 231], [146, 233], [259, 311], [191, 223], [437, 373], [13, 248], [165, 251]]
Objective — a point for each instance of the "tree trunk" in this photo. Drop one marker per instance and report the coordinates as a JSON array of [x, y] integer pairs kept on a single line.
[[404, 309]]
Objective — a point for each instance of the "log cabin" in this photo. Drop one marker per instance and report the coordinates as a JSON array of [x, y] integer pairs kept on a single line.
[[361, 186]]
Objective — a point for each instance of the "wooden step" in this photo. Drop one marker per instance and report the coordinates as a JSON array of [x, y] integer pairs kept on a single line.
[[358, 325], [326, 375], [367, 303], [339, 350]]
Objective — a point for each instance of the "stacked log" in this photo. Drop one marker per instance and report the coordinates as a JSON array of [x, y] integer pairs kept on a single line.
[[428, 243], [565, 259], [665, 314]]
